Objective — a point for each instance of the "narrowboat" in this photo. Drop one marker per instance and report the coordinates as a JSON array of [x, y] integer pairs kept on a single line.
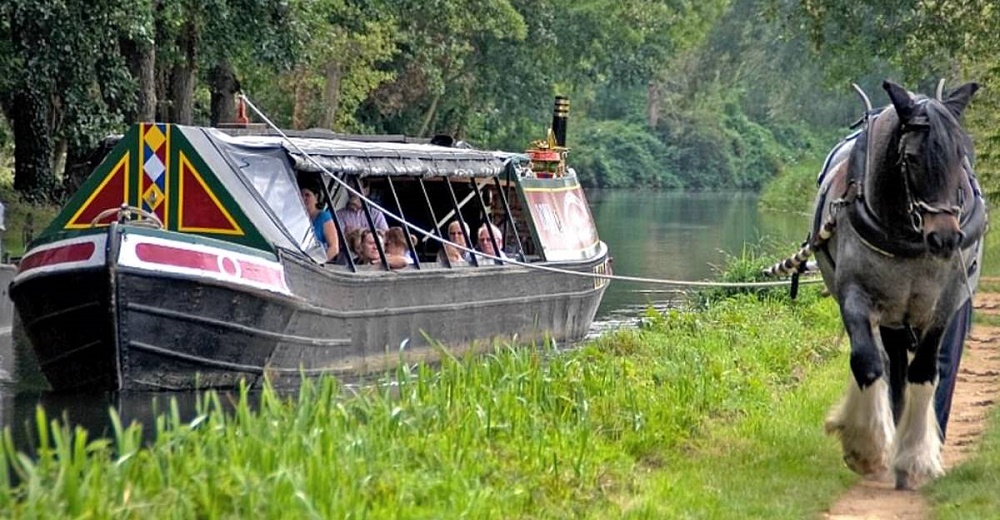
[[187, 259]]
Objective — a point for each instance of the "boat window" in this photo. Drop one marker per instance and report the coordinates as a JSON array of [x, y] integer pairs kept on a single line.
[[270, 173]]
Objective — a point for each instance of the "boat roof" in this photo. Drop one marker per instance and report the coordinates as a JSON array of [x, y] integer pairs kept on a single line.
[[365, 158]]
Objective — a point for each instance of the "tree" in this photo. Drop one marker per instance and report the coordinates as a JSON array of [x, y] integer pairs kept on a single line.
[[64, 84]]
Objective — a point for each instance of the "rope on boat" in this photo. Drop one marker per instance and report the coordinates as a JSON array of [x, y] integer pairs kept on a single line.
[[431, 236]]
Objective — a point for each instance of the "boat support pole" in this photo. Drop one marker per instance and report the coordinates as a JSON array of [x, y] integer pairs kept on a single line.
[[430, 207], [510, 218], [371, 223], [487, 219], [406, 232], [458, 212], [345, 247]]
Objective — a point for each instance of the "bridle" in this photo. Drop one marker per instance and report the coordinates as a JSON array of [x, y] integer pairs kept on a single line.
[[916, 208]]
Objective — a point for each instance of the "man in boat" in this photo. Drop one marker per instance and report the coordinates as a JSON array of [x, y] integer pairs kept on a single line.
[[486, 242], [352, 216]]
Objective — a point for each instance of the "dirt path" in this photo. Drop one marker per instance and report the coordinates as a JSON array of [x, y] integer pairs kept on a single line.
[[975, 393]]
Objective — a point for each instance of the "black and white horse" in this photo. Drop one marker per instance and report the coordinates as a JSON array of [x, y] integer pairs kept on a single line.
[[907, 221]]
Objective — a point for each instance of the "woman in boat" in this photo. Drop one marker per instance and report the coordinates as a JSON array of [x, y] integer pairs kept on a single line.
[[367, 250], [451, 255], [395, 248], [322, 221]]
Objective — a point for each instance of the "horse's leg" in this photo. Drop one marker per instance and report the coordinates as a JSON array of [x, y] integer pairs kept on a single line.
[[863, 419], [949, 356], [896, 343], [916, 451]]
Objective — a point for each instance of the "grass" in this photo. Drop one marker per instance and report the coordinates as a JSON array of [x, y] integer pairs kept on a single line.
[[969, 491], [700, 414], [785, 192]]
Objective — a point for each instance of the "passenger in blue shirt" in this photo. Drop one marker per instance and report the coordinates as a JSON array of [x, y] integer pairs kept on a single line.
[[322, 221]]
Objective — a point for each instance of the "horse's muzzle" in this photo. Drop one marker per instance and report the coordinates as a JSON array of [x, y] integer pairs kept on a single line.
[[942, 234]]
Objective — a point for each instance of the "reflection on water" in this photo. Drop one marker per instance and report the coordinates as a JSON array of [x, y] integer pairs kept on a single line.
[[679, 236]]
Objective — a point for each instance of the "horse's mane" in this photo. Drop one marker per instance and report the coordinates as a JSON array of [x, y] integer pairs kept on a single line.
[[947, 142]]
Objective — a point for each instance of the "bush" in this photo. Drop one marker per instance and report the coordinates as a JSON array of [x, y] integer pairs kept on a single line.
[[616, 154]]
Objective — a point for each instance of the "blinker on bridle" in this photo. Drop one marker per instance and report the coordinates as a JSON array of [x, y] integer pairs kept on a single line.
[[917, 208]]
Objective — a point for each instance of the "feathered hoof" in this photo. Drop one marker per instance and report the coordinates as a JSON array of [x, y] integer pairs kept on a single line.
[[914, 476], [869, 465], [865, 453]]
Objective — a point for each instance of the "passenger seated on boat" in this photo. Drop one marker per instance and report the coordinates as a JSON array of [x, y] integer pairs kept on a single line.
[[450, 254], [396, 251], [352, 216], [486, 243], [322, 221], [367, 250]]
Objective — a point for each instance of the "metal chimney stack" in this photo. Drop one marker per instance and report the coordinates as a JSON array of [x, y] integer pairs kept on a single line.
[[560, 115]]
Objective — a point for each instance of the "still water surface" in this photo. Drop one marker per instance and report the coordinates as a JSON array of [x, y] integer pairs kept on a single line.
[[676, 236], [680, 236]]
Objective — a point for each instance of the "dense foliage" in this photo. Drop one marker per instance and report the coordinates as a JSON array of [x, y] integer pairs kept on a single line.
[[698, 95]]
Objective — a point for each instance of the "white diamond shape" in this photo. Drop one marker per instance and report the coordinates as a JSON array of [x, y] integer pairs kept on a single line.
[[153, 168]]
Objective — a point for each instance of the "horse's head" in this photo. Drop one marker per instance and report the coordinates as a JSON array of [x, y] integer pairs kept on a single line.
[[931, 158]]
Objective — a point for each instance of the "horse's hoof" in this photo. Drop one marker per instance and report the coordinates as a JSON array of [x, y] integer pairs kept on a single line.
[[862, 466], [903, 482]]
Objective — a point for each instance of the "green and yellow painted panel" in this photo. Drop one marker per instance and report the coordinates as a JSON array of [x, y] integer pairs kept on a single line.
[[155, 168]]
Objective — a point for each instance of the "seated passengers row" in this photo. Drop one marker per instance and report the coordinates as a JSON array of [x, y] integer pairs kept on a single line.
[[362, 241]]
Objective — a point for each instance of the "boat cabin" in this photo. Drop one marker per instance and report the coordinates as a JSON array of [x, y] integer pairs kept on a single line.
[[241, 188]]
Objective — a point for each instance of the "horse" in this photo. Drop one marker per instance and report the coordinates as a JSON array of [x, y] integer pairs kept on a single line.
[[897, 231]]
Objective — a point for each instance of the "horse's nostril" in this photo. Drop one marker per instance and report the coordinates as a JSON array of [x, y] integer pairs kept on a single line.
[[934, 241]]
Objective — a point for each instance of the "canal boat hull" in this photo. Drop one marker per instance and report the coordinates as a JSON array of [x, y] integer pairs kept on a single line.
[[138, 320]]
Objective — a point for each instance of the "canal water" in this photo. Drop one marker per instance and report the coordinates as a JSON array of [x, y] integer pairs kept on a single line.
[[675, 236]]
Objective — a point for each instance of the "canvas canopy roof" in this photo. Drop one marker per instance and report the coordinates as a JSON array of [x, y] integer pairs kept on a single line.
[[270, 164], [376, 159]]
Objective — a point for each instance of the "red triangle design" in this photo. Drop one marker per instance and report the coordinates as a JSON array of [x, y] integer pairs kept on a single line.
[[200, 209], [110, 195]]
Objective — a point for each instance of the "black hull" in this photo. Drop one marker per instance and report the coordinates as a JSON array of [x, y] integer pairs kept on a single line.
[[69, 320], [132, 329]]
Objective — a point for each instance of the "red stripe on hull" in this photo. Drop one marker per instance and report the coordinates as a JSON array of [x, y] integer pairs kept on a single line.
[[58, 255], [261, 274], [158, 254], [249, 271]]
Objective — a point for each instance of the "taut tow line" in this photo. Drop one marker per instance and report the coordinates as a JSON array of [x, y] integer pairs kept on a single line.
[[431, 236]]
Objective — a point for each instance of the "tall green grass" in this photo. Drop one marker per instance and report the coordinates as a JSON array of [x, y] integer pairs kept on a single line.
[[596, 432]]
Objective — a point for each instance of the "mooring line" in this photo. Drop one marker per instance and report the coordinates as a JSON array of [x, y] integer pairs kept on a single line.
[[557, 270]]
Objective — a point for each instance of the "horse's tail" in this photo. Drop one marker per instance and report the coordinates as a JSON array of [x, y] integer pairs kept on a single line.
[[796, 262]]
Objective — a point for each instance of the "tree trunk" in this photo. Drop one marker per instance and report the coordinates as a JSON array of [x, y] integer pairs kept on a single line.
[[182, 78], [301, 98], [331, 95], [141, 60], [429, 116], [224, 88], [33, 176], [652, 104]]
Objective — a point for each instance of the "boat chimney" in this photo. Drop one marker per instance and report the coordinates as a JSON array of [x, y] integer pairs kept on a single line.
[[560, 115]]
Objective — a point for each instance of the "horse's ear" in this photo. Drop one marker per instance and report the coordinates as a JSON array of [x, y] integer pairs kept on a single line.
[[900, 99], [959, 98]]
